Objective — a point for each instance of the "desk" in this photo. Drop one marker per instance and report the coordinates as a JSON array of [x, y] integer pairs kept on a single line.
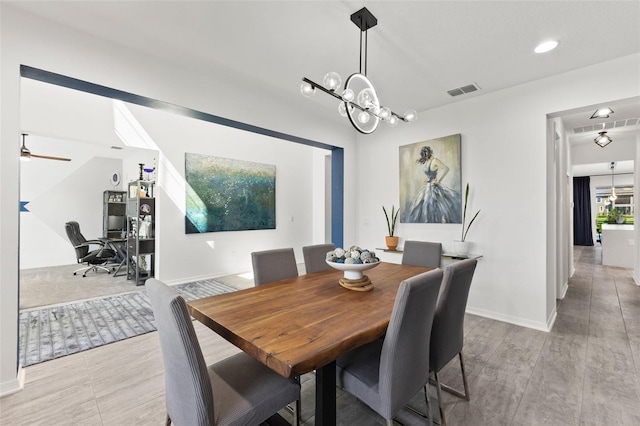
[[118, 245], [302, 324]]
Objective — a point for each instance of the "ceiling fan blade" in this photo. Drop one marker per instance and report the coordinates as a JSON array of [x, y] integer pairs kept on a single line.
[[50, 157]]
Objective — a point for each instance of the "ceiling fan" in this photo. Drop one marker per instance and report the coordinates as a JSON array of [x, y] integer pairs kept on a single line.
[[26, 154]]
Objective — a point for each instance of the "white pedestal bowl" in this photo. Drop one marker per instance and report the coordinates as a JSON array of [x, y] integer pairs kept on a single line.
[[352, 271]]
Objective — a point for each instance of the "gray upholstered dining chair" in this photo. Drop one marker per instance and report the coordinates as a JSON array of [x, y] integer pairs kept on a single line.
[[273, 265], [422, 253], [235, 391], [315, 257], [447, 333], [387, 373]]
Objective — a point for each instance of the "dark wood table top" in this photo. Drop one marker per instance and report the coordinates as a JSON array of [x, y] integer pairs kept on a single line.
[[300, 324]]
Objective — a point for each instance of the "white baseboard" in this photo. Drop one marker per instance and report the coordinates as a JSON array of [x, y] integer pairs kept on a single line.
[[536, 325], [14, 385], [565, 287], [552, 319], [191, 279]]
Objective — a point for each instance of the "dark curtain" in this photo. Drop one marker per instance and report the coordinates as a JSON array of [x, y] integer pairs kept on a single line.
[[582, 231]]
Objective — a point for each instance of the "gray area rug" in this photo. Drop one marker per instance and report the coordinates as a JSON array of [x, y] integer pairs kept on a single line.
[[54, 332]]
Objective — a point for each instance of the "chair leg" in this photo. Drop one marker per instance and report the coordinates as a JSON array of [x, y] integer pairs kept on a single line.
[[443, 420], [426, 399], [464, 378], [456, 392], [418, 413], [297, 412], [296, 408], [83, 270], [95, 268]]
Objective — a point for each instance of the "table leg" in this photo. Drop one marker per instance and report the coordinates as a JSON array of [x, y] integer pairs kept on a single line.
[[326, 395]]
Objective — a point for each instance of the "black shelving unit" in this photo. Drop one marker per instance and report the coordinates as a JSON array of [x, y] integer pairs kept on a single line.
[[114, 213], [141, 211]]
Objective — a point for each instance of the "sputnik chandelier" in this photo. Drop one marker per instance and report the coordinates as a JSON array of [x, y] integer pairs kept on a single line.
[[359, 100]]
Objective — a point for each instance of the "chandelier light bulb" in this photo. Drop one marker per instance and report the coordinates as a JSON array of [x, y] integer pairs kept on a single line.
[[410, 115], [332, 80], [342, 109], [385, 113], [364, 117], [392, 121], [366, 98], [348, 95], [307, 90]]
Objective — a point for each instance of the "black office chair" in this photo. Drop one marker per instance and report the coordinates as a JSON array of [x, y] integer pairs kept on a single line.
[[93, 259]]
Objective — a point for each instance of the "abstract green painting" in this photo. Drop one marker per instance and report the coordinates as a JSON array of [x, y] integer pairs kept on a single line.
[[224, 194]]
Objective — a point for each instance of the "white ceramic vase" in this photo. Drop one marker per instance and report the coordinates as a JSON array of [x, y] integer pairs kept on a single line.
[[462, 248]]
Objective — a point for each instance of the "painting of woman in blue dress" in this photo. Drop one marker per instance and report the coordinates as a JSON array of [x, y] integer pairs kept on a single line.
[[432, 200]]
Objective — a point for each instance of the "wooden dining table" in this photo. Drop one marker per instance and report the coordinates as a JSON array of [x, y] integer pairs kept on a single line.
[[302, 324]]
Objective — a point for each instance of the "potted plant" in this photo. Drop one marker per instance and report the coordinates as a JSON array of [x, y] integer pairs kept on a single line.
[[391, 240], [614, 216], [462, 246]]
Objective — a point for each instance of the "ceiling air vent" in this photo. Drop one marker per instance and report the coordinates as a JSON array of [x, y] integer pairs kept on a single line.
[[462, 90], [608, 125]]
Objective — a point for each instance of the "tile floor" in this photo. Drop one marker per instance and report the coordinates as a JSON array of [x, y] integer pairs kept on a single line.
[[584, 372]]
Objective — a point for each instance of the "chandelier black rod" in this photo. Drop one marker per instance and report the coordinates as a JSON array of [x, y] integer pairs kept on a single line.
[[360, 69], [366, 51], [353, 104]]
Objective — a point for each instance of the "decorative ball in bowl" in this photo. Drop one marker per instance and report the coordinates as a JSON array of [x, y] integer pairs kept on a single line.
[[352, 261]]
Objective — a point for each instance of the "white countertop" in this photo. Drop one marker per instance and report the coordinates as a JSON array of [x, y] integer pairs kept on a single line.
[[616, 227]]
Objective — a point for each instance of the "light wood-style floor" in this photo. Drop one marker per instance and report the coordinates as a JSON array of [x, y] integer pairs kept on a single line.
[[584, 372]]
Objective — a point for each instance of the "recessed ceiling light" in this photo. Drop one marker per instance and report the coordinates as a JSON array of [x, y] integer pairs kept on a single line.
[[546, 46], [602, 113]]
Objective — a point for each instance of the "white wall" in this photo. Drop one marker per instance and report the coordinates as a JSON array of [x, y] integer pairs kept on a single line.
[[79, 126], [563, 236], [59, 192], [187, 257], [180, 257], [622, 148], [504, 157], [84, 57]]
